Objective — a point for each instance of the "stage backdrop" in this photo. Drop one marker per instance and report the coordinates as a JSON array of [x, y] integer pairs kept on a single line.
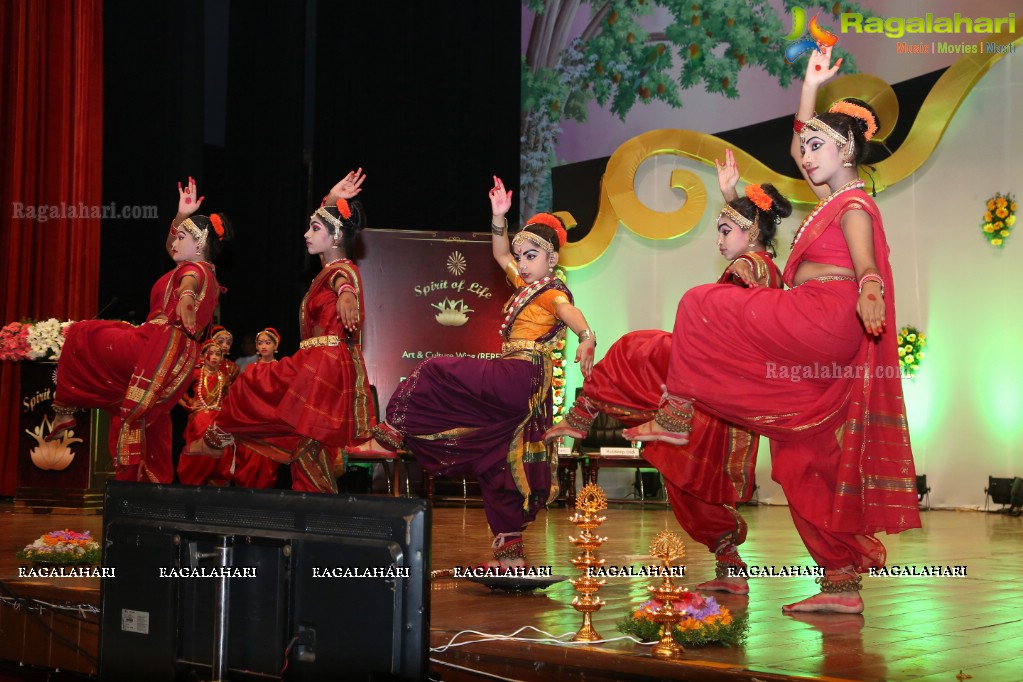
[[428, 294]]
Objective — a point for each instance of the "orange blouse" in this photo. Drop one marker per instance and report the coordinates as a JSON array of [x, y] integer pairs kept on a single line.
[[537, 318]]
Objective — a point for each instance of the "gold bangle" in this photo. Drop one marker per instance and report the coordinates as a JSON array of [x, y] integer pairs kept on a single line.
[[186, 292], [498, 230], [587, 334]]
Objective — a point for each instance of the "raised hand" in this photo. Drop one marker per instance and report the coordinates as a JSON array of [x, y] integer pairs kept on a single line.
[[728, 175], [188, 199], [500, 198], [819, 68], [349, 186]]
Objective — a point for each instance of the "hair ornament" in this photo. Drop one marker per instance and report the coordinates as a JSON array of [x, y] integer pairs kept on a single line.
[[759, 197], [552, 221], [198, 234], [210, 343], [739, 219], [218, 226], [324, 216], [857, 112], [273, 334], [815, 124], [343, 208]]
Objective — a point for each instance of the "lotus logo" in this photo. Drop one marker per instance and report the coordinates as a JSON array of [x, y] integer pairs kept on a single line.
[[53, 455], [452, 313]]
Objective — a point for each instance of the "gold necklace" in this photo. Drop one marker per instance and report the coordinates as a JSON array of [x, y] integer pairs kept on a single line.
[[852, 184]]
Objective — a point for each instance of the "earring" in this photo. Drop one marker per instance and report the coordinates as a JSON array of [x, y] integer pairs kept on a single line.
[[753, 235], [850, 151]]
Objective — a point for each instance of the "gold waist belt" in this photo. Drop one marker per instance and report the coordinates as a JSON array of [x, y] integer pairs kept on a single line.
[[829, 278], [317, 341], [517, 346]]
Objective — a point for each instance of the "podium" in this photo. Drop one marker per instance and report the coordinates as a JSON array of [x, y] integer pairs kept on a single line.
[[65, 476]]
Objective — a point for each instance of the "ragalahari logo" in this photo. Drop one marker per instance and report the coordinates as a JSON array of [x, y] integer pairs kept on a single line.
[[798, 44]]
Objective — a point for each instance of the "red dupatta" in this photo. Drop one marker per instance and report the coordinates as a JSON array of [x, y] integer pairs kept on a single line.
[[876, 486]]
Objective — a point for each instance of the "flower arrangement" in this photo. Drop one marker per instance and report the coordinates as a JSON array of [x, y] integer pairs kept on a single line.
[[705, 622], [558, 383], [32, 340], [62, 547], [911, 350], [558, 380], [999, 218], [14, 342]]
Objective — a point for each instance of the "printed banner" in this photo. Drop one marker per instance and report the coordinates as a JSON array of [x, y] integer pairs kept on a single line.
[[428, 294]]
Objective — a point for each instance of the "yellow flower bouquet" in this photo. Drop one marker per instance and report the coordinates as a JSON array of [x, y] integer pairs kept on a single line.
[[999, 218], [911, 350]]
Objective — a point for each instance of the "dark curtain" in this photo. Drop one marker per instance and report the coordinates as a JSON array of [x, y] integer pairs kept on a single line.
[[51, 134], [425, 96]]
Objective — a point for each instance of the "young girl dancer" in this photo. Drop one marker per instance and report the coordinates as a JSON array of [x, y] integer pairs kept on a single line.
[[839, 441], [486, 418], [139, 373], [708, 478], [209, 388]]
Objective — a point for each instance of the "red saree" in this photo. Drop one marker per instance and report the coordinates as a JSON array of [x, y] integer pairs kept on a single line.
[[138, 373], [804, 370], [708, 477], [208, 391], [313, 403]]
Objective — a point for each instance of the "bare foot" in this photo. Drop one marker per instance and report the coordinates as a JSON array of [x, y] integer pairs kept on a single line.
[[563, 430], [730, 585], [60, 424], [519, 562], [828, 602], [371, 448], [651, 430], [201, 448]]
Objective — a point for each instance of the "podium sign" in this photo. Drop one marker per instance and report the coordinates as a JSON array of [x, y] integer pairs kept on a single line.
[[66, 475], [440, 293]]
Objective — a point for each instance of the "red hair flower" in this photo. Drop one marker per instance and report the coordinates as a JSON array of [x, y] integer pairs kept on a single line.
[[553, 222], [759, 197], [344, 209], [218, 226]]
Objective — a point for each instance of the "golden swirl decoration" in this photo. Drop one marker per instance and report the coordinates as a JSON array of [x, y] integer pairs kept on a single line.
[[667, 546], [591, 499], [618, 201]]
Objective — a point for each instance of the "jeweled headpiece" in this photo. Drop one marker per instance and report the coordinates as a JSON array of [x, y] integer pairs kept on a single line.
[[739, 219], [822, 127], [199, 234], [342, 207], [272, 333], [219, 331], [548, 220]]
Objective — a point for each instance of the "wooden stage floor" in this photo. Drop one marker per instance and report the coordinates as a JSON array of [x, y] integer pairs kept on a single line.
[[914, 628]]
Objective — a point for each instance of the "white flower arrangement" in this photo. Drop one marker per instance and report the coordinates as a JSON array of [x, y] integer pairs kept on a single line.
[[46, 339]]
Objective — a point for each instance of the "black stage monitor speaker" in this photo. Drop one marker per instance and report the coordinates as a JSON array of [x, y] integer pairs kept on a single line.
[[229, 583]]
